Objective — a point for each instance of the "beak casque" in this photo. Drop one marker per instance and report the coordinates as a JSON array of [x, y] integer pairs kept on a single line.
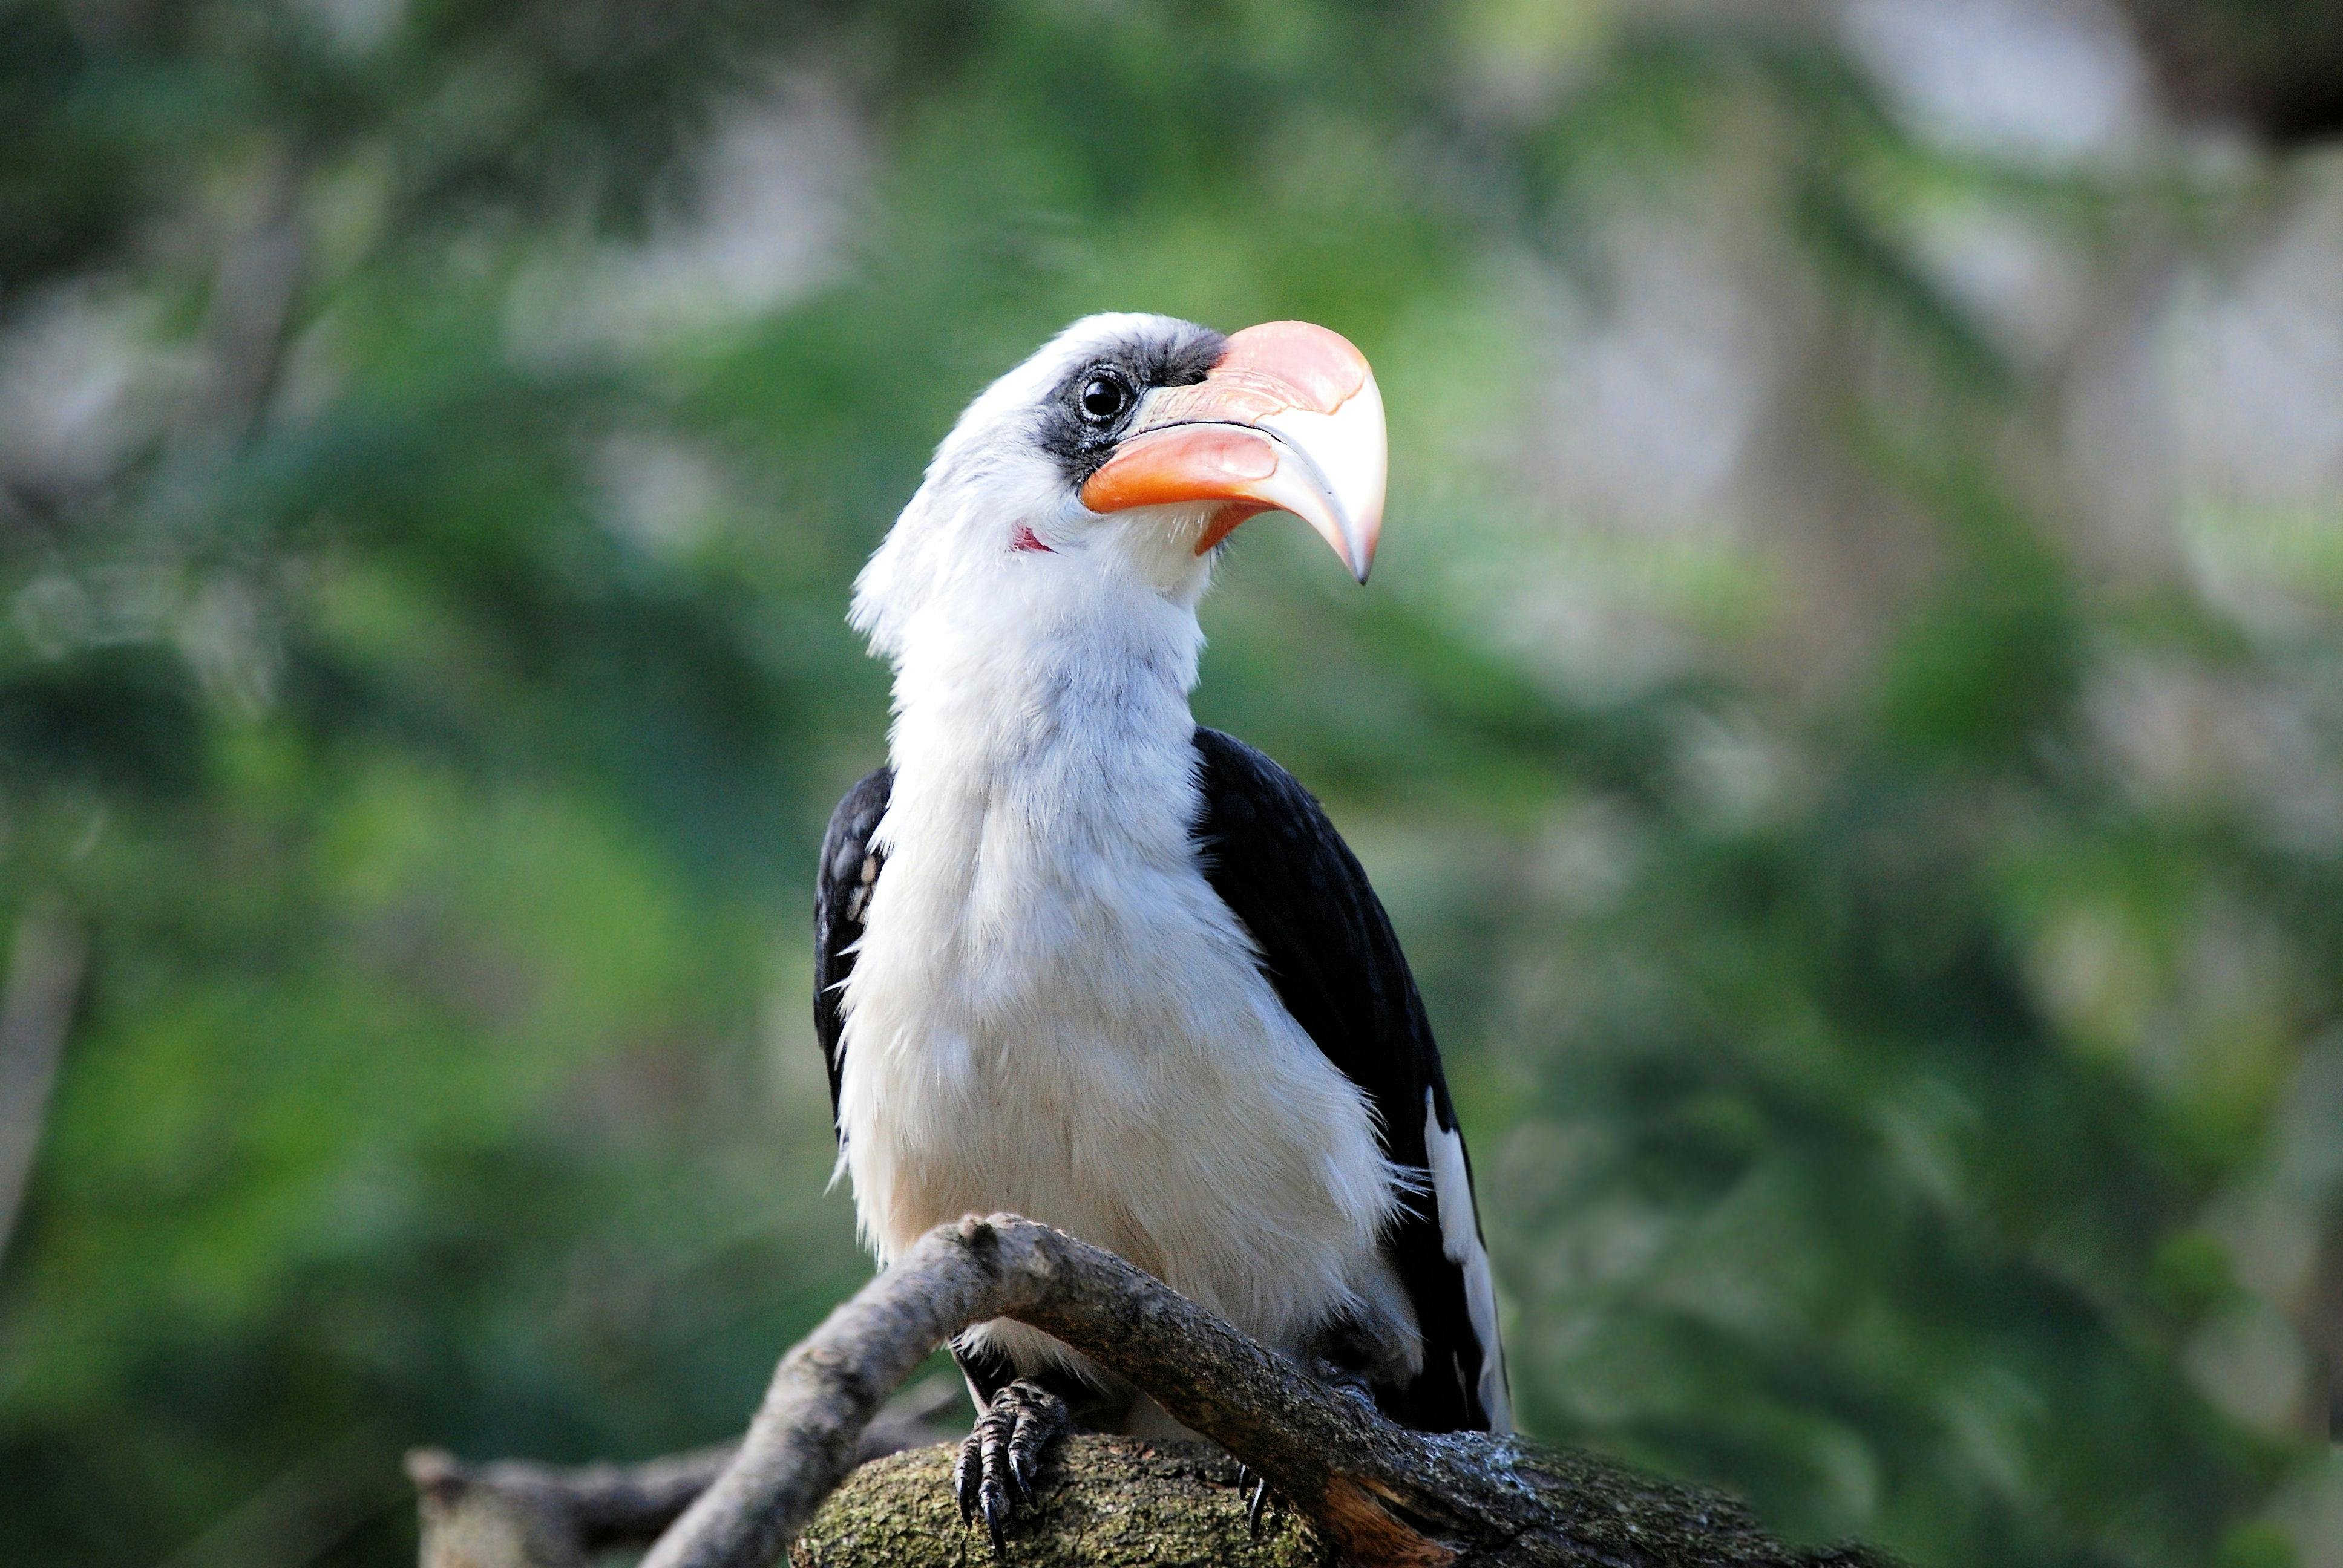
[[1289, 420]]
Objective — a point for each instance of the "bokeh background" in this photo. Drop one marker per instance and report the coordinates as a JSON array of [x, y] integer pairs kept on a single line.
[[1848, 718]]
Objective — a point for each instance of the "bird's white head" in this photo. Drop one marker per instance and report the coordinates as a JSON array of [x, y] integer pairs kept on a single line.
[[1104, 470]]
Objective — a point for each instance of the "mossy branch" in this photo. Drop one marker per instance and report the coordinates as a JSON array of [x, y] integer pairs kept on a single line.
[[1371, 1493]]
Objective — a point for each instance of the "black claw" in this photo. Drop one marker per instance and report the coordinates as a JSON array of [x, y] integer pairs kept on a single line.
[[1252, 1509], [996, 1516], [1244, 1476]]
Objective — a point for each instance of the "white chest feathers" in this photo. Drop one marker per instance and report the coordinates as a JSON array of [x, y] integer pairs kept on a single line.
[[1051, 1012]]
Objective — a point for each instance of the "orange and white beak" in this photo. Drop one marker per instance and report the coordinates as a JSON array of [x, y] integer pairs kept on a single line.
[[1289, 420]]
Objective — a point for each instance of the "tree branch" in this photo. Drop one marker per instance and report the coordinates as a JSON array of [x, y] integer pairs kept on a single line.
[[1382, 1496], [516, 1514]]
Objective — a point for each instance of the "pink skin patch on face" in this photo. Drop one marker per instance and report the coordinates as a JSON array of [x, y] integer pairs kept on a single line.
[[1025, 538]]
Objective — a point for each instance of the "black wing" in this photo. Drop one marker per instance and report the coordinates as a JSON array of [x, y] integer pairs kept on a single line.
[[1327, 949], [849, 869]]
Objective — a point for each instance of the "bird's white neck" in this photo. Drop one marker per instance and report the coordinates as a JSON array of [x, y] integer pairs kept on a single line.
[[1064, 687]]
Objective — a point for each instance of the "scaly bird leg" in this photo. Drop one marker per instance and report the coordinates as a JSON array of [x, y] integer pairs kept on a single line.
[[1003, 1453]]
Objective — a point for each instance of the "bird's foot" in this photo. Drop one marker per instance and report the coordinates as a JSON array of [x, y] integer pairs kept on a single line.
[[1343, 1377], [1003, 1454], [1340, 1376]]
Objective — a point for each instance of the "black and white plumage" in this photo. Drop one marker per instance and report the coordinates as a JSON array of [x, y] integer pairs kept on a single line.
[[1079, 959]]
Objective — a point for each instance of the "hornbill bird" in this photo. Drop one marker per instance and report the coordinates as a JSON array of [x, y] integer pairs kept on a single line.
[[1080, 959]]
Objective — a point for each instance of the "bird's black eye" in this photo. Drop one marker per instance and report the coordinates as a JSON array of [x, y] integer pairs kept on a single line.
[[1104, 397]]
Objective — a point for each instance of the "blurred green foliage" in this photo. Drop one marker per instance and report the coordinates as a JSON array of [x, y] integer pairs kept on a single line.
[[424, 679]]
